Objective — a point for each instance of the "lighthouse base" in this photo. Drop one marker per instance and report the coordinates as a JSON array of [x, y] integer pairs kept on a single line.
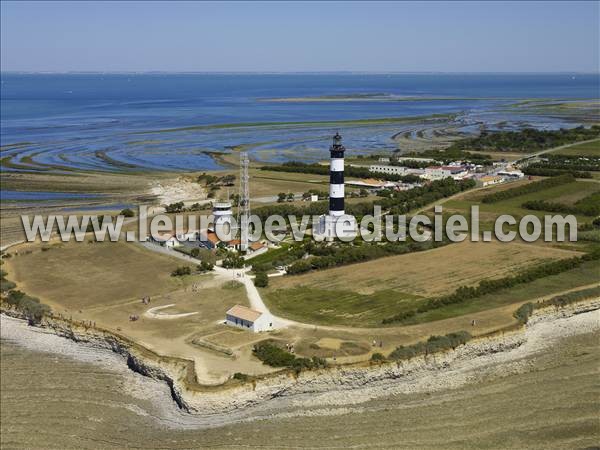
[[330, 227]]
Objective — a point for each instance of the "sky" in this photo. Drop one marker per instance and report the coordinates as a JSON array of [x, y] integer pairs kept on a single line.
[[300, 36]]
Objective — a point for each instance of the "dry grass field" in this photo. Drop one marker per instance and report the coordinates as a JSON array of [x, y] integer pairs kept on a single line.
[[105, 282], [428, 273], [83, 275], [361, 295]]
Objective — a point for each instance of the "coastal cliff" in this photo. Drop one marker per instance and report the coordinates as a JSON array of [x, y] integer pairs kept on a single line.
[[344, 384]]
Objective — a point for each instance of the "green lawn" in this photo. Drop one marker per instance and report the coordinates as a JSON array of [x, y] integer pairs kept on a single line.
[[338, 307]]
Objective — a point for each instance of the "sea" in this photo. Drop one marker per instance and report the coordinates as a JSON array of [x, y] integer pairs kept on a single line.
[[172, 122]]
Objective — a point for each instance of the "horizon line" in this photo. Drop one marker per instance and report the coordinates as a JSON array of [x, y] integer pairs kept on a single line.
[[301, 72]]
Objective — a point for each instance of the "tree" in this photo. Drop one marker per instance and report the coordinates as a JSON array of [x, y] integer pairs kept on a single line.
[[281, 197], [261, 280], [174, 207], [233, 261], [290, 197], [227, 180], [127, 212], [205, 266]]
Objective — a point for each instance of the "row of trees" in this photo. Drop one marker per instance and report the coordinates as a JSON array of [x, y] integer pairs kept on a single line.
[[526, 140], [484, 287], [570, 162], [448, 155], [540, 171], [333, 256], [320, 169], [528, 188], [400, 203]]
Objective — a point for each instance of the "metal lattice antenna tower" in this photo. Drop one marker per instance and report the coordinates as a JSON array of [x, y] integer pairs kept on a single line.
[[244, 201]]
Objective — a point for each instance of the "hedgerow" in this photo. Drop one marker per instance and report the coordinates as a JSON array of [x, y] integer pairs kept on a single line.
[[528, 188]]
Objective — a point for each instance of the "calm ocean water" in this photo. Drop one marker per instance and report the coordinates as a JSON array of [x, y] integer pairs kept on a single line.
[[89, 121]]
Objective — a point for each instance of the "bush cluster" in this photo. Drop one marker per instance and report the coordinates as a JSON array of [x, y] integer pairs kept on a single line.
[[181, 271], [560, 301], [274, 356], [205, 266], [261, 280], [233, 261], [30, 306], [433, 345], [5, 285]]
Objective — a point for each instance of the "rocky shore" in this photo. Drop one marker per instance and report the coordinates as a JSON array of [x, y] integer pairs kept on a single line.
[[324, 392]]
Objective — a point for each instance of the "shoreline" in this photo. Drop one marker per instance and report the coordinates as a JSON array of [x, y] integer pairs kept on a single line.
[[331, 391]]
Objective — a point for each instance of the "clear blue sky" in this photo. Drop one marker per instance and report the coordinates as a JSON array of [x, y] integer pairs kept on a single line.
[[310, 36]]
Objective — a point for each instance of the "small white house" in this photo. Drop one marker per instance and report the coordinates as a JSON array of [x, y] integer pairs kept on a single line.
[[249, 319]]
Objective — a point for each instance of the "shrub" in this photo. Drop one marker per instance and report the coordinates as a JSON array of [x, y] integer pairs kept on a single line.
[[241, 376], [206, 266], [261, 280], [181, 271], [174, 207], [377, 357], [30, 306], [127, 212], [434, 344], [6, 285], [274, 356], [233, 261]]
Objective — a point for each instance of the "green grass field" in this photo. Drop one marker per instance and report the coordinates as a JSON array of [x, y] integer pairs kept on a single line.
[[338, 307], [566, 193], [586, 149]]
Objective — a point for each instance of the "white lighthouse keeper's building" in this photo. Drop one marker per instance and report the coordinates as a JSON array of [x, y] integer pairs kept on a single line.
[[249, 319]]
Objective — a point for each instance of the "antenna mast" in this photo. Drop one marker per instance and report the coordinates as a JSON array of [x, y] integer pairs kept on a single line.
[[244, 201]]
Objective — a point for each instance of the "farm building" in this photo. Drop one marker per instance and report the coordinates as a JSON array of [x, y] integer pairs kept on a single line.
[[511, 173], [490, 180], [440, 172], [243, 317]]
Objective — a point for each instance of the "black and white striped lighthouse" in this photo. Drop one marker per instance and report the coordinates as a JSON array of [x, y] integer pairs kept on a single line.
[[336, 177]]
